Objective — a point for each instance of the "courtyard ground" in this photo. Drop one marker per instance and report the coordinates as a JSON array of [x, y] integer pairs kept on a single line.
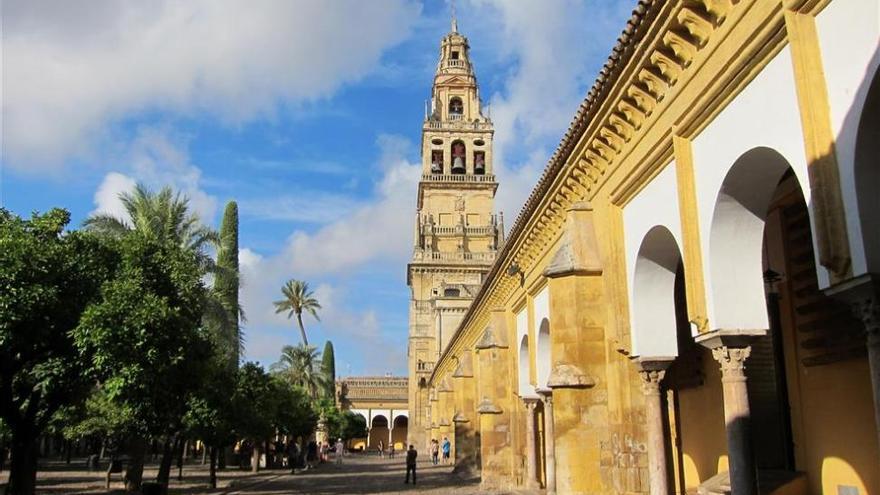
[[359, 474]]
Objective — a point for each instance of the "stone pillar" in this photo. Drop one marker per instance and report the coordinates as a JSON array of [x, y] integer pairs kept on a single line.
[[731, 349], [531, 462], [493, 409], [651, 371], [549, 440]]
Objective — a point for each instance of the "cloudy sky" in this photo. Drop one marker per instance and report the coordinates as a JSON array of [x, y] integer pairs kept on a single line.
[[308, 113]]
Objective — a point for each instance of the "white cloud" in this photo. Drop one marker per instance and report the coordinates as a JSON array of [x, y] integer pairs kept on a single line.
[[156, 158], [73, 69], [380, 230], [107, 196], [306, 207]]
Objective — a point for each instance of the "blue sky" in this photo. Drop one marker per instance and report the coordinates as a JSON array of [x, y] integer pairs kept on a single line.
[[307, 113]]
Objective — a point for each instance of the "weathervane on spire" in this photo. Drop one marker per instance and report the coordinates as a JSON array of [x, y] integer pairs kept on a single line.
[[454, 22]]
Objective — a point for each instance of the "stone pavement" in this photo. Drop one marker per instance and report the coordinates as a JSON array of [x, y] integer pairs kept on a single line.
[[365, 474]]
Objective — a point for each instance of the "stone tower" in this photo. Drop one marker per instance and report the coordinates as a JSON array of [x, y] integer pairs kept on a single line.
[[456, 233]]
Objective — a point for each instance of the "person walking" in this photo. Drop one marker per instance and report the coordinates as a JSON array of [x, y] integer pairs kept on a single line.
[[411, 456], [391, 451], [435, 451], [447, 448], [339, 450], [381, 449]]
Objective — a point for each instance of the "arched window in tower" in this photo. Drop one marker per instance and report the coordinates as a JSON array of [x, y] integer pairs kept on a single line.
[[456, 108], [479, 162], [458, 157], [436, 161]]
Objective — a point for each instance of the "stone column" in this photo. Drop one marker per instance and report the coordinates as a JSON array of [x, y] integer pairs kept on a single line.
[[549, 440], [651, 371], [731, 349], [531, 462]]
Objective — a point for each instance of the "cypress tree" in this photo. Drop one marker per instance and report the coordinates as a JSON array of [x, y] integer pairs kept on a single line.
[[328, 368], [227, 279]]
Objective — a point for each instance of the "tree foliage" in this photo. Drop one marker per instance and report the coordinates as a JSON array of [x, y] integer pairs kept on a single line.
[[47, 278], [298, 366], [328, 369], [226, 284]]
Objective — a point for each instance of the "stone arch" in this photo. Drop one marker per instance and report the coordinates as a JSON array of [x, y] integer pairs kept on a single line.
[[525, 388], [379, 430], [458, 153], [542, 353], [654, 325], [867, 173], [736, 239], [399, 431]]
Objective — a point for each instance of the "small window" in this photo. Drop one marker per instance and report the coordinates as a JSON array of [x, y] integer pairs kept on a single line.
[[454, 55], [451, 293]]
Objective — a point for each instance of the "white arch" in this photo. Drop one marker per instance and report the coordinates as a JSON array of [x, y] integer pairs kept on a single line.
[[377, 416], [867, 175], [654, 327], [736, 239], [379, 412], [542, 353], [525, 387]]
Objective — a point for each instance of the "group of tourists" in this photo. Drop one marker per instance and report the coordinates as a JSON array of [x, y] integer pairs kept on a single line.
[[437, 447], [381, 449]]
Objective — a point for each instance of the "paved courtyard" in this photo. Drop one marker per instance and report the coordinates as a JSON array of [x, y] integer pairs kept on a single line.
[[361, 474], [358, 474]]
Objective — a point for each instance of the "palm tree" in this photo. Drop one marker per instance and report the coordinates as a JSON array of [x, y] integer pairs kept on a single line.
[[162, 216], [297, 365], [165, 217], [298, 298]]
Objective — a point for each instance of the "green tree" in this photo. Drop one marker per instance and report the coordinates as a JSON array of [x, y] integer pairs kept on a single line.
[[255, 408], [146, 344], [298, 298], [47, 278], [297, 366], [226, 284], [328, 369], [210, 416]]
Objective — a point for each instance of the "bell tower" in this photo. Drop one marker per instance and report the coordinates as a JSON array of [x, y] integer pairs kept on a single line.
[[456, 232]]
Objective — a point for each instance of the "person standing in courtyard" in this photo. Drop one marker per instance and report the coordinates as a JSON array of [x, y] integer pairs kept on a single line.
[[381, 449], [435, 451], [340, 448], [411, 456], [447, 448]]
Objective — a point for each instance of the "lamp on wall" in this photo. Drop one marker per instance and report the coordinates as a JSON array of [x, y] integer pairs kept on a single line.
[[513, 269]]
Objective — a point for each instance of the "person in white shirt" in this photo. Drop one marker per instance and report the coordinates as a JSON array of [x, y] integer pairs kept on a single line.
[[339, 449]]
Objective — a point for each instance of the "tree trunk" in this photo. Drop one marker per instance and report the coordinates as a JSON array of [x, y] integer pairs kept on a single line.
[[134, 472], [181, 454], [23, 467], [168, 450], [204, 453], [69, 451], [213, 468], [302, 329], [255, 458]]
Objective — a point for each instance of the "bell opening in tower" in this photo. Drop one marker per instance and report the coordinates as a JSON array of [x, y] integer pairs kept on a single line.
[[436, 161], [479, 162], [458, 157], [456, 107]]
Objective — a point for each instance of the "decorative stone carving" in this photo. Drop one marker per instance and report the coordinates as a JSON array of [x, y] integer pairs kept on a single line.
[[460, 418], [733, 362], [569, 376], [487, 407]]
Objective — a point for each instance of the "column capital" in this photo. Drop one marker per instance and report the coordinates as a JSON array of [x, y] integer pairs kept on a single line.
[[868, 310], [733, 361], [530, 402], [651, 370]]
